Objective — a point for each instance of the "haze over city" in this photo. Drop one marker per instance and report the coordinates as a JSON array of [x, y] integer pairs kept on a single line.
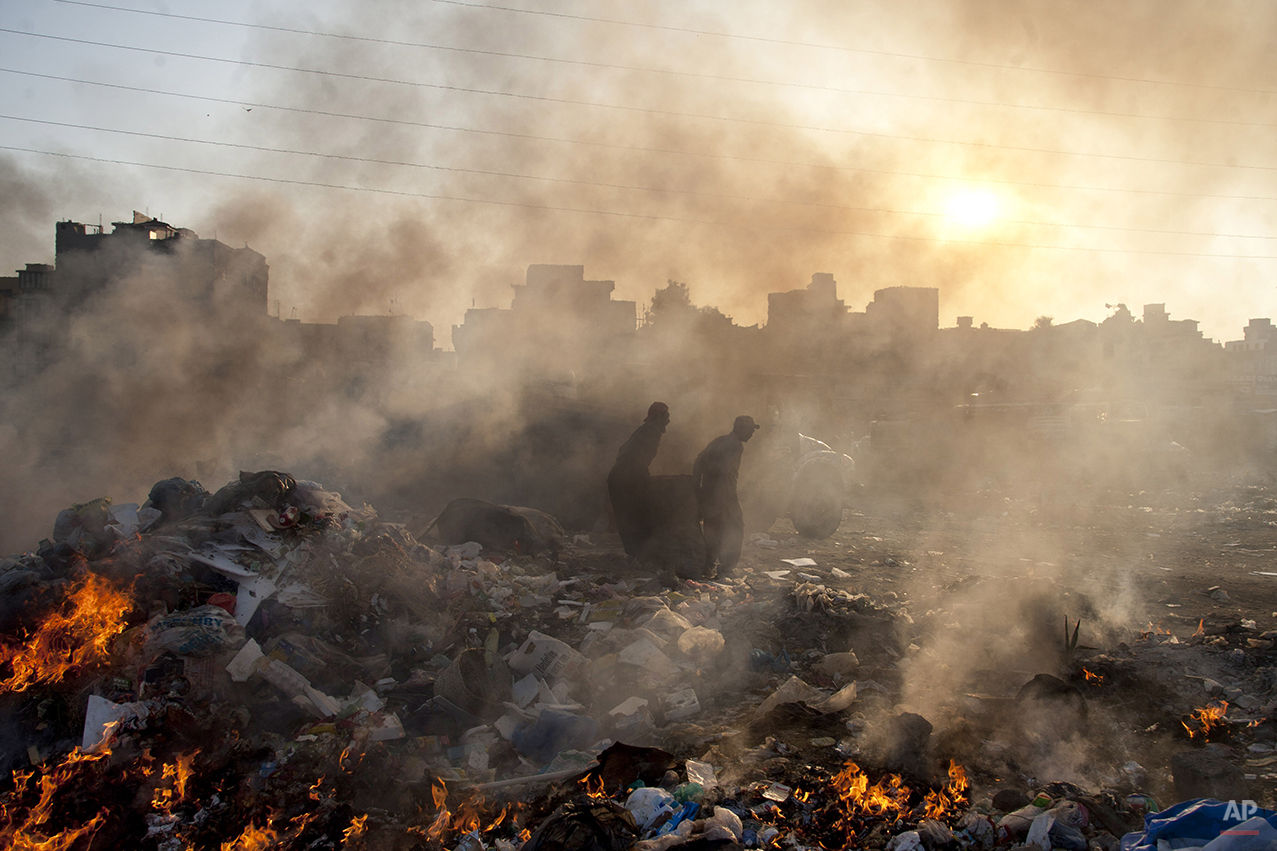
[[1026, 159]]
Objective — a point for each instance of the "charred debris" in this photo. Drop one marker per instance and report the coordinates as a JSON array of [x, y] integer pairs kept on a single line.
[[267, 666]]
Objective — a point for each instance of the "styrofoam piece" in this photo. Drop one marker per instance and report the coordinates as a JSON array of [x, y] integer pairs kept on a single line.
[[244, 665], [681, 704], [526, 690], [646, 655], [629, 707]]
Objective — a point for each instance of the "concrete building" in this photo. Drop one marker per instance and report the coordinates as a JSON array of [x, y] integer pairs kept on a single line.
[[559, 325], [1251, 363], [207, 273]]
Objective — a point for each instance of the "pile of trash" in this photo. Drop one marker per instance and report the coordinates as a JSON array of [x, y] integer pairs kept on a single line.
[[268, 666]]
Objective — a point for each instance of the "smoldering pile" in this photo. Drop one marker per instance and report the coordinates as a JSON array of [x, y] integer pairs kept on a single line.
[[267, 666]]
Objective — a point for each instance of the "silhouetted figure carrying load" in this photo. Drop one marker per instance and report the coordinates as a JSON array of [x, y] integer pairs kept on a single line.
[[629, 485], [714, 474]]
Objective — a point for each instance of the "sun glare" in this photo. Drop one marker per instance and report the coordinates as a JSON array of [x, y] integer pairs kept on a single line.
[[973, 208]]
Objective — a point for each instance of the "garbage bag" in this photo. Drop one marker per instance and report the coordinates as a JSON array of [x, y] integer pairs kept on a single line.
[[205, 631], [497, 527], [648, 803], [177, 498], [83, 527], [272, 487], [552, 732], [582, 826], [1200, 821]]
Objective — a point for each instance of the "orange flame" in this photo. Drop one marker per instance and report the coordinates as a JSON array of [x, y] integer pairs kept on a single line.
[[1098, 679], [1201, 628], [253, 839], [469, 816], [77, 636], [358, 827], [592, 789], [1207, 718], [177, 775], [947, 801], [439, 828], [888, 796], [25, 831]]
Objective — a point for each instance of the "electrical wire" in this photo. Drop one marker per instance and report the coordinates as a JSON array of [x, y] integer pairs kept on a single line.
[[664, 71], [637, 148], [630, 187], [643, 216], [845, 49], [636, 109]]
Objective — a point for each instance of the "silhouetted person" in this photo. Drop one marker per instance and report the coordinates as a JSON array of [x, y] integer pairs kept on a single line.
[[629, 485], [714, 475]]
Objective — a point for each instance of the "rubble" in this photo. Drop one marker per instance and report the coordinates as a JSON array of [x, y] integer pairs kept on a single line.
[[268, 664]]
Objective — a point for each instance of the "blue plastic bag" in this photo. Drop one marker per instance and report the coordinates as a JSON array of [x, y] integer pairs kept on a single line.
[[1192, 824]]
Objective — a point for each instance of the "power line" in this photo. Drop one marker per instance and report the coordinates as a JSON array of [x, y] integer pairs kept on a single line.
[[629, 187], [644, 216], [637, 109], [637, 148], [845, 49], [665, 71]]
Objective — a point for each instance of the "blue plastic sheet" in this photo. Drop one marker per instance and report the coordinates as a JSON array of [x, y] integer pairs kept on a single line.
[[1226, 825]]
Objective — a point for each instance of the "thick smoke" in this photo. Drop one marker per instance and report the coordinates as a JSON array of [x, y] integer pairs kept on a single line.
[[738, 188], [787, 191]]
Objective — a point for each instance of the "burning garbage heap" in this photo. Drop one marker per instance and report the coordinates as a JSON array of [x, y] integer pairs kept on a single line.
[[269, 667]]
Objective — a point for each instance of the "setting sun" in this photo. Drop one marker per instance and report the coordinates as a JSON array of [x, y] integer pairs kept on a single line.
[[973, 208]]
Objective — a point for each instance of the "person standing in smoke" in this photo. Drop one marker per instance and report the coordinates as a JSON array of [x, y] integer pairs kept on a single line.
[[629, 484], [714, 475]]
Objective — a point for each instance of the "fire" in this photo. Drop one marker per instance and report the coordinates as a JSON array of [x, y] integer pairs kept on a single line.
[[469, 815], [439, 828], [1207, 718], [358, 827], [1097, 679], [77, 636], [177, 775], [593, 790], [888, 796], [1201, 628], [253, 839], [351, 756], [946, 801], [25, 831]]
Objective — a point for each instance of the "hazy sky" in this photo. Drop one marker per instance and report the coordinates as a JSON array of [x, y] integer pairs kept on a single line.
[[1026, 158]]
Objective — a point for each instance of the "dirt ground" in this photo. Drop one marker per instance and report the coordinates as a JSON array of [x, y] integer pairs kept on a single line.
[[1166, 547], [986, 581]]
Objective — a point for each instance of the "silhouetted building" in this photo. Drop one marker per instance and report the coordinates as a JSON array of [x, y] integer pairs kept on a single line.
[[900, 312], [558, 324], [1252, 363], [207, 273], [815, 308]]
